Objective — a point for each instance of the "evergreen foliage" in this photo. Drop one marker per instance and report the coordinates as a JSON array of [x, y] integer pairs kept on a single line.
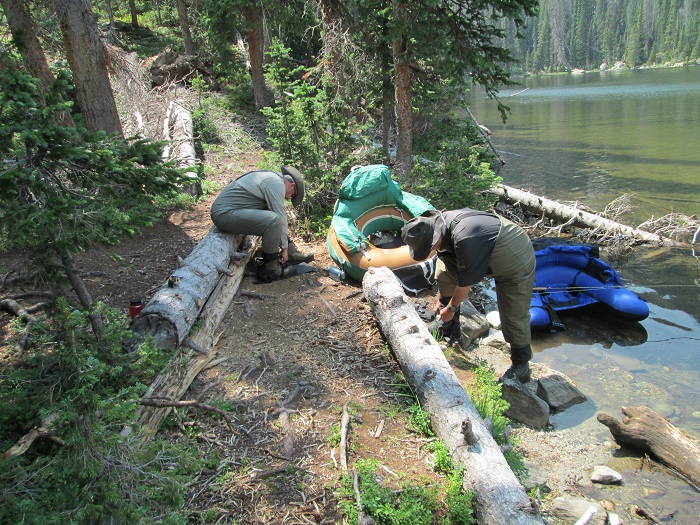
[[64, 189], [635, 32], [88, 389]]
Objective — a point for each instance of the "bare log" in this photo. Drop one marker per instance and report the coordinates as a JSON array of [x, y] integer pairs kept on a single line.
[[188, 362], [26, 441], [567, 214], [172, 311], [500, 499], [183, 146], [644, 429]]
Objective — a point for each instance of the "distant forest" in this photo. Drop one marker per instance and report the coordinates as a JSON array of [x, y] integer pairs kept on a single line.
[[571, 34]]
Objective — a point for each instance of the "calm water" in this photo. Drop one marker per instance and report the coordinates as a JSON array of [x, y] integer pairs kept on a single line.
[[596, 136], [591, 138]]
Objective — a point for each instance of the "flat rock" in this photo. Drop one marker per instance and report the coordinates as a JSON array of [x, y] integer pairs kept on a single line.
[[525, 406], [534, 477], [496, 340], [605, 475], [570, 510], [558, 393]]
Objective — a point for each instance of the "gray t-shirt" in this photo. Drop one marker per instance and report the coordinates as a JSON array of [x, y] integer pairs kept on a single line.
[[256, 190]]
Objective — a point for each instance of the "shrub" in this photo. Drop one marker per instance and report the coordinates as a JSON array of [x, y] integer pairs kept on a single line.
[[89, 471]]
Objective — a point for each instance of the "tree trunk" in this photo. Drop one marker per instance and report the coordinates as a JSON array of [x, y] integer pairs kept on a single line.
[[256, 52], [87, 59], [185, 27], [110, 17], [172, 311], [403, 85], [387, 101], [183, 151], [24, 35], [134, 14], [187, 363], [566, 214], [81, 292], [500, 499], [647, 431]]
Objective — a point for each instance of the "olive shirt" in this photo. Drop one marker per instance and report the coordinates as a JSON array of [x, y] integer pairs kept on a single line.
[[256, 190]]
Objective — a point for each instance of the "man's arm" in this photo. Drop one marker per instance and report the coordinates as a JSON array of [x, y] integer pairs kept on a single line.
[[461, 293]]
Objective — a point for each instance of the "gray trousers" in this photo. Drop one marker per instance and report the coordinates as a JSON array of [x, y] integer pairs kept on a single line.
[[265, 223], [513, 267]]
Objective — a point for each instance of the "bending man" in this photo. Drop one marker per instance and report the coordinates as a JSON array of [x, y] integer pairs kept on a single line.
[[253, 204], [470, 245]]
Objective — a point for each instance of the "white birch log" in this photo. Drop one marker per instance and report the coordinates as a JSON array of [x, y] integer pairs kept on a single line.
[[567, 214], [500, 498], [174, 308]]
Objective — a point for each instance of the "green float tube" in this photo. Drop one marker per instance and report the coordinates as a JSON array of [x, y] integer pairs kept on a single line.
[[370, 203]]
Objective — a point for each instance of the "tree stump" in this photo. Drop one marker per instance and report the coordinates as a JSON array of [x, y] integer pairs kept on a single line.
[[500, 499]]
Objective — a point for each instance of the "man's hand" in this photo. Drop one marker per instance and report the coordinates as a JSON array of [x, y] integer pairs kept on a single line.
[[284, 255], [445, 315]]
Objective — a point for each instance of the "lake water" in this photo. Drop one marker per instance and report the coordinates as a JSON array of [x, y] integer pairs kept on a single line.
[[591, 138]]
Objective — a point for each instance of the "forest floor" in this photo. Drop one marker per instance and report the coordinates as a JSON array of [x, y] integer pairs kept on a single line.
[[287, 364]]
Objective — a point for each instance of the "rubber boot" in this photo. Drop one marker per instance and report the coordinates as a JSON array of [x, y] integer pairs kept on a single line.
[[294, 256], [455, 333], [443, 330], [271, 269], [520, 364]]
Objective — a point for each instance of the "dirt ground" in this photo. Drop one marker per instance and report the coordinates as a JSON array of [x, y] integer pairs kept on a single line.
[[288, 363]]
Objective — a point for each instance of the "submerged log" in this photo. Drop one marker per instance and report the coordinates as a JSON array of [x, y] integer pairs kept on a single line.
[[567, 214], [500, 498], [644, 429]]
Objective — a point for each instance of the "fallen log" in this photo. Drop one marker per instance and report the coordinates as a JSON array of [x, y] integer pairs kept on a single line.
[[190, 360], [26, 441], [172, 311], [576, 217], [500, 498], [644, 429]]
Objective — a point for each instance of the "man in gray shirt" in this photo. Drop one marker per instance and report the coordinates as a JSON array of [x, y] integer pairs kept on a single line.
[[470, 245], [253, 204]]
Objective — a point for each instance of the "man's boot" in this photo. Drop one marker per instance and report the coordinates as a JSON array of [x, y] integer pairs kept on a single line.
[[520, 367], [294, 256], [455, 333], [271, 269], [449, 330]]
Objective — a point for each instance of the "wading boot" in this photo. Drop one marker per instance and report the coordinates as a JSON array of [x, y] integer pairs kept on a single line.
[[520, 367], [294, 256], [271, 270], [450, 331]]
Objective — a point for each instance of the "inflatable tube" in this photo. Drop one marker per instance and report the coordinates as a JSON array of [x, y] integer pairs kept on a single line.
[[568, 276], [355, 264], [369, 202]]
